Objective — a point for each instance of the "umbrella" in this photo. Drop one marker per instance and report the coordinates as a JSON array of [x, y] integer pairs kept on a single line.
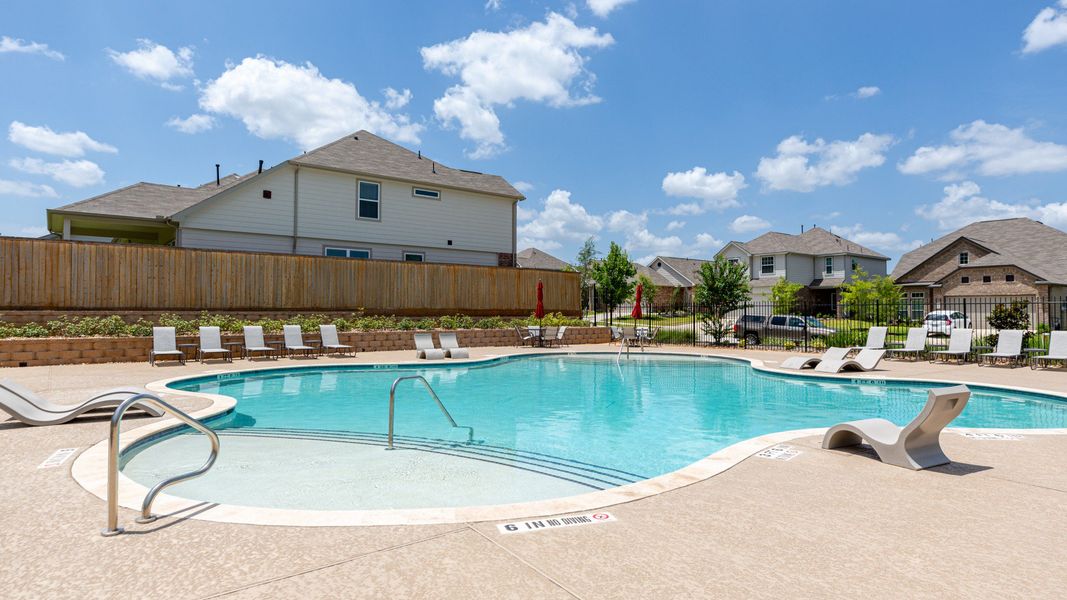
[[636, 313], [540, 311]]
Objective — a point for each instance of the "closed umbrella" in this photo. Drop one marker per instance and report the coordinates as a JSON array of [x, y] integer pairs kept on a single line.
[[636, 313], [539, 312]]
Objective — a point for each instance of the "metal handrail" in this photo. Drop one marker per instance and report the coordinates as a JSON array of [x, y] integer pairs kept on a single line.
[[392, 402], [113, 461]]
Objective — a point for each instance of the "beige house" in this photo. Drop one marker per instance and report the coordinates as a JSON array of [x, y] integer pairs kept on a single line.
[[359, 197]]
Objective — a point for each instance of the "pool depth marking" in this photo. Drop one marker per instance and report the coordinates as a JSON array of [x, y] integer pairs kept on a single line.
[[555, 522]]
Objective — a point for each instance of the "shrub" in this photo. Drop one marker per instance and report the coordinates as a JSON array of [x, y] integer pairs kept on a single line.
[[846, 339], [676, 336]]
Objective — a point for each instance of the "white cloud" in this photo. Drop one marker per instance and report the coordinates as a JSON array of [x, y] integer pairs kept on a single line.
[[43, 139], [156, 62], [26, 189], [1048, 29], [801, 166], [523, 186], [31, 231], [275, 99], [748, 223], [643, 244], [716, 190], [196, 123], [8, 44], [991, 148], [559, 221], [963, 204], [879, 240], [541, 63], [867, 91], [493, 5], [603, 8], [75, 173], [395, 99], [675, 225]]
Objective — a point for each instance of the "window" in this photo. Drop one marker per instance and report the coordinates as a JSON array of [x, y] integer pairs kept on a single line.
[[855, 264], [987, 279], [1009, 278], [964, 258], [829, 265], [414, 257], [795, 322], [425, 193], [965, 279], [369, 201], [734, 261], [777, 320], [767, 265], [346, 252], [918, 303]]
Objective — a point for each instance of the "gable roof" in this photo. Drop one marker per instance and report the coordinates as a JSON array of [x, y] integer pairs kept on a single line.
[[532, 258], [144, 200], [1026, 243], [687, 268], [657, 278], [814, 241]]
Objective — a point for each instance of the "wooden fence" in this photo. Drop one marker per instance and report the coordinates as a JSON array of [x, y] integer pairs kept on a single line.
[[60, 275]]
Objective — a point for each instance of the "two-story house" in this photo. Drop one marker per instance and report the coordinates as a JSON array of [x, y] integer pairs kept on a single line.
[[359, 197]]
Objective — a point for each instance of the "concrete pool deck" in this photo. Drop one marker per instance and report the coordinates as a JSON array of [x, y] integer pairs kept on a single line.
[[824, 523]]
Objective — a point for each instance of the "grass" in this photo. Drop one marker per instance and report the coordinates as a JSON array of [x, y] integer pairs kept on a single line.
[[656, 320]]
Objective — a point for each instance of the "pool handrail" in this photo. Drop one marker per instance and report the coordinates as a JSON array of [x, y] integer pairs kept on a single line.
[[433, 394]]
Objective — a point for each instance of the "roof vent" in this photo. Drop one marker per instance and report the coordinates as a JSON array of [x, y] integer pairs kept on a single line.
[[355, 137], [433, 167], [420, 154], [218, 179]]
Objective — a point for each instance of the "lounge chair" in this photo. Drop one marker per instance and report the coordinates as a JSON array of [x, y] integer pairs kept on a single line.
[[294, 341], [211, 343], [424, 347], [875, 339], [1009, 348], [807, 362], [914, 346], [1057, 351], [450, 345], [959, 346], [866, 360], [559, 335], [653, 336], [330, 341], [914, 446], [254, 342], [26, 406], [164, 343]]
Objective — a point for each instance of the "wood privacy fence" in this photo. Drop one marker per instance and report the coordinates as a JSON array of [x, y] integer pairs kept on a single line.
[[61, 275]]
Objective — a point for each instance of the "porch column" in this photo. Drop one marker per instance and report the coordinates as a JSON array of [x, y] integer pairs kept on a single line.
[[66, 228]]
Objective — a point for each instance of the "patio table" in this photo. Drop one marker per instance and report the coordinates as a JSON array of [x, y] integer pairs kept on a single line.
[[191, 350], [236, 348]]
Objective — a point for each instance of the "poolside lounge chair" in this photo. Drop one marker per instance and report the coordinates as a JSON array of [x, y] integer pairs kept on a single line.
[[294, 341], [424, 347], [807, 362], [328, 334], [26, 406], [450, 345], [1057, 351], [959, 346], [866, 360], [559, 335], [914, 446], [211, 343], [1009, 348], [254, 342], [164, 343], [914, 346], [875, 339]]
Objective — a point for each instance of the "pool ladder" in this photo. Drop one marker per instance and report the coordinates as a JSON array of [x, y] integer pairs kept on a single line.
[[433, 394]]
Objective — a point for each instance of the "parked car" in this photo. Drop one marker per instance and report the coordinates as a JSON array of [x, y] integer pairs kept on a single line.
[[755, 328], [942, 322]]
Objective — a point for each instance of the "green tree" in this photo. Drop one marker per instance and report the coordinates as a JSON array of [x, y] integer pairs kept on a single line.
[[871, 297], [723, 288], [614, 278], [584, 263], [784, 295], [676, 298], [648, 291]]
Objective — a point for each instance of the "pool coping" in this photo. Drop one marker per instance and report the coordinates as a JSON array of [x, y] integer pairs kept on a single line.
[[89, 470]]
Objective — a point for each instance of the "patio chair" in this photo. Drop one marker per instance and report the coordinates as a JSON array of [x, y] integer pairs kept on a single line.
[[424, 347], [26, 406], [1057, 351], [524, 336], [164, 343], [1009, 348], [211, 343], [254, 342], [549, 335], [559, 335], [866, 360], [616, 334], [330, 341], [653, 336], [807, 362], [450, 346], [959, 346], [875, 339], [294, 341], [914, 446], [914, 346]]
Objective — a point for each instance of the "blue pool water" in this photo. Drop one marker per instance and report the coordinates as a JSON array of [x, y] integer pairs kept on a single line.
[[544, 427]]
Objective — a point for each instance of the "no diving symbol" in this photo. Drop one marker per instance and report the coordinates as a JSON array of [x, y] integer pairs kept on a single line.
[[601, 516]]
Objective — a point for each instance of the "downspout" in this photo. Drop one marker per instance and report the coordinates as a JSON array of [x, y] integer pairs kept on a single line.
[[514, 231], [296, 204], [177, 231]]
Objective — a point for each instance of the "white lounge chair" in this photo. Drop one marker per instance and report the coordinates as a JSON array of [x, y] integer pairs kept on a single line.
[[424, 347], [959, 346], [866, 360], [1057, 351], [914, 346], [914, 446], [450, 345], [875, 339], [559, 335], [330, 341], [294, 341], [1009, 348], [164, 343], [211, 343], [254, 342], [26, 406], [807, 362]]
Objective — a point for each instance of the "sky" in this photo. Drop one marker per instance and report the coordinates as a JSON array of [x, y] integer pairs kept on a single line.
[[670, 127]]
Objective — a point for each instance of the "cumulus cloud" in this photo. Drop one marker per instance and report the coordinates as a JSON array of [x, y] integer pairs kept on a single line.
[[867, 91], [801, 166], [1048, 29], [990, 149], [493, 5], [43, 139], [603, 8], [276, 99], [541, 62], [395, 99], [675, 225], [156, 62], [715, 190], [15, 45], [75, 173], [963, 204], [643, 244], [192, 124], [559, 221], [523, 186], [26, 189], [879, 240], [748, 224]]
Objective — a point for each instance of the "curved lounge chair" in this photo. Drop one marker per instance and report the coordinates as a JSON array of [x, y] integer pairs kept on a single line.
[[914, 446], [866, 360], [26, 406], [450, 345], [807, 362], [424, 347]]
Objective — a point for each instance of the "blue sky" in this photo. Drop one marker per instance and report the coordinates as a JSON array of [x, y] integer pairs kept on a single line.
[[670, 127]]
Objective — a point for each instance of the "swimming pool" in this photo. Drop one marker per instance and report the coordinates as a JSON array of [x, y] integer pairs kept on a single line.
[[545, 427]]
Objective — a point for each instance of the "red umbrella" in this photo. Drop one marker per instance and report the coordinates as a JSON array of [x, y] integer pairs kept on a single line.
[[540, 311], [636, 313]]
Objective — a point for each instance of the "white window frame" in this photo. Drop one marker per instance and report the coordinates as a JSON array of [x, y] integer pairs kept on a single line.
[[359, 200], [763, 265], [734, 261], [415, 189], [828, 265], [348, 252], [964, 258], [406, 253]]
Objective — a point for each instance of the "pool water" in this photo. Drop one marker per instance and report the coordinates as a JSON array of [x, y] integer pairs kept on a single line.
[[544, 427]]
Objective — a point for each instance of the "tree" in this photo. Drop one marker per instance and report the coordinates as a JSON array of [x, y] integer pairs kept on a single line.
[[584, 263], [676, 298], [723, 288], [648, 291], [614, 278], [784, 295], [871, 297]]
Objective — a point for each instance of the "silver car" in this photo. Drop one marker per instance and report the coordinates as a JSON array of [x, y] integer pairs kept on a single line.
[[942, 322]]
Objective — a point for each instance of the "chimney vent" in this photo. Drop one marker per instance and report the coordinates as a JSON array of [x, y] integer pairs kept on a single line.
[[420, 154], [261, 165], [218, 178]]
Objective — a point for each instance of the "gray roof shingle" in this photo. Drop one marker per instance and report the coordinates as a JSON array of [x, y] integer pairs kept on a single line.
[[532, 258], [149, 200], [815, 241]]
